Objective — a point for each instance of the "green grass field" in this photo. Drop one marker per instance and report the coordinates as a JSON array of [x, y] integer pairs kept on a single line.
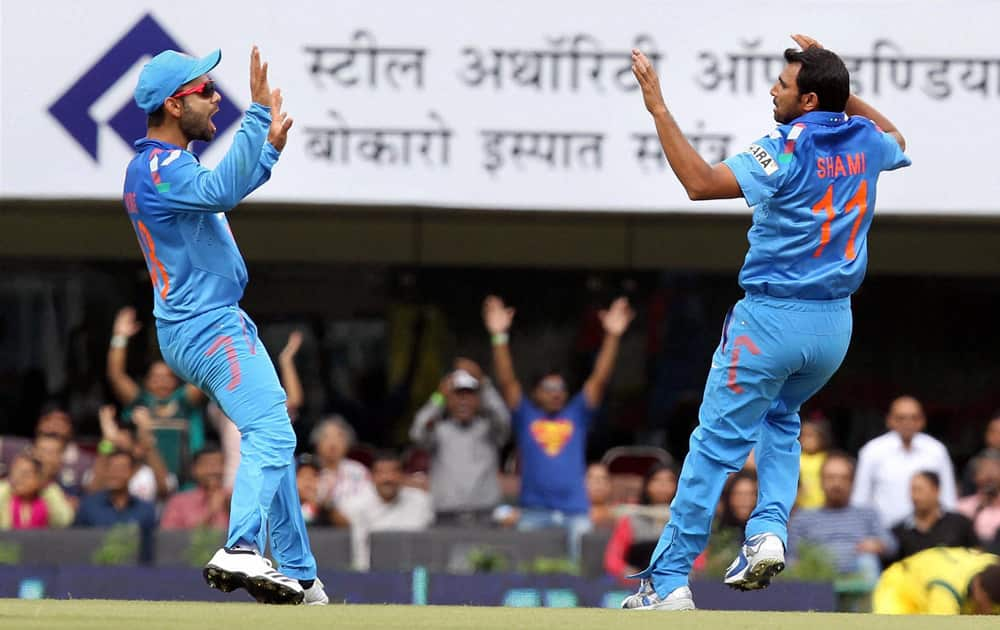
[[133, 615]]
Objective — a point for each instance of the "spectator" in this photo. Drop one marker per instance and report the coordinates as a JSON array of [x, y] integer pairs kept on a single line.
[[991, 446], [815, 441], [853, 536], [28, 501], [551, 427], [739, 498], [636, 532], [983, 507], [929, 525], [307, 481], [887, 463], [175, 407], [463, 425], [115, 505], [50, 450], [54, 422], [598, 483], [392, 507], [151, 481], [205, 506], [229, 435], [340, 479]]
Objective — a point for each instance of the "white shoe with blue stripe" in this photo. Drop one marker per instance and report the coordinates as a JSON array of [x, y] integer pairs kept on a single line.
[[647, 599], [761, 558]]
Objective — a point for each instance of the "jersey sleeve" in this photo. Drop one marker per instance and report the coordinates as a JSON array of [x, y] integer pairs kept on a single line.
[[892, 154], [761, 169], [187, 186]]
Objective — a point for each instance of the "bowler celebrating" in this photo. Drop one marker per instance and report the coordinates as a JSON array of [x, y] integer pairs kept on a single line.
[[178, 209], [812, 184]]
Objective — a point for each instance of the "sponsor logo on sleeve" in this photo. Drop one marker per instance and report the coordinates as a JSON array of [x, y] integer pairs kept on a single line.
[[764, 159]]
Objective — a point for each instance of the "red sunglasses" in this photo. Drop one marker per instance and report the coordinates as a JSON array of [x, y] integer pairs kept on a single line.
[[206, 90]]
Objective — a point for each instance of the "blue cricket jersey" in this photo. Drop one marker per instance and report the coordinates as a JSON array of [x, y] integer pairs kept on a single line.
[[177, 208], [812, 185]]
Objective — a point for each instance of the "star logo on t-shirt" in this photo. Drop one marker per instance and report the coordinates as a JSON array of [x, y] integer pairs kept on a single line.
[[552, 435]]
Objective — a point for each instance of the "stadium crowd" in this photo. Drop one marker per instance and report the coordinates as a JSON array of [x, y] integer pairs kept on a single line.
[[166, 459]]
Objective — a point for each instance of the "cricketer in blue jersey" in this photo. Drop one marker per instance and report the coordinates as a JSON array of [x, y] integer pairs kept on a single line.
[[812, 184], [178, 209]]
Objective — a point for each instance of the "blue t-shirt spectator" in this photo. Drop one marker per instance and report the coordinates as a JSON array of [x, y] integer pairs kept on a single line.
[[553, 455]]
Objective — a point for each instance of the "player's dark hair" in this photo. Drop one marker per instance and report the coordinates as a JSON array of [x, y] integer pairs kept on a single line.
[[930, 476], [823, 73], [156, 117], [989, 580]]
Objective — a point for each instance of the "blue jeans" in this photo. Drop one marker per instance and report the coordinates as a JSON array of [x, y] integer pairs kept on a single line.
[[774, 355], [576, 525], [219, 352]]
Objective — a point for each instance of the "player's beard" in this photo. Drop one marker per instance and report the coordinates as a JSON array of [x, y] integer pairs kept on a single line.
[[196, 126]]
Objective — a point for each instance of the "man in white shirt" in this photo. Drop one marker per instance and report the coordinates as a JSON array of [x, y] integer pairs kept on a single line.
[[887, 463], [391, 507]]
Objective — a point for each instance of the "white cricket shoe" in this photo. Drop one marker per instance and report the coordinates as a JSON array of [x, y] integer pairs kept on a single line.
[[761, 558], [647, 599], [229, 570], [315, 595]]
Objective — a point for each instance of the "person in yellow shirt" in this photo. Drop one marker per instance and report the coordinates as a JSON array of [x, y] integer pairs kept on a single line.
[[940, 581], [815, 440]]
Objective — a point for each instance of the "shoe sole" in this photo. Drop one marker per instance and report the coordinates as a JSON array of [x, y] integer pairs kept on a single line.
[[260, 588], [759, 576]]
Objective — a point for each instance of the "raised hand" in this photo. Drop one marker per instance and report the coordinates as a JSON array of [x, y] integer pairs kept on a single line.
[[497, 317], [617, 318], [109, 426], [292, 346], [805, 42], [125, 323], [649, 82], [277, 135], [260, 91]]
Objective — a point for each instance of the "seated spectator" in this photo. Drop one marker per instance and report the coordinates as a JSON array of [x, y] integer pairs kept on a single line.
[[463, 425], [205, 506], [598, 483], [853, 536], [815, 441], [151, 480], [738, 499], [636, 533], [551, 427], [991, 447], [50, 450], [175, 407], [340, 479], [929, 525], [983, 507], [392, 507], [53, 422], [887, 463], [28, 501], [307, 481], [115, 505]]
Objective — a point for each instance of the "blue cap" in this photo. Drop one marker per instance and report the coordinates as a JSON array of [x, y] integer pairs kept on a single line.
[[168, 71]]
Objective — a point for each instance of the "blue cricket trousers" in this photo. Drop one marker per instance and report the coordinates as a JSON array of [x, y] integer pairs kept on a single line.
[[219, 352], [774, 355]]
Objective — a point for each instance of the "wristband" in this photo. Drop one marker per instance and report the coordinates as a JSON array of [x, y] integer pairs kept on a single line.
[[105, 447], [119, 341], [500, 339], [438, 399]]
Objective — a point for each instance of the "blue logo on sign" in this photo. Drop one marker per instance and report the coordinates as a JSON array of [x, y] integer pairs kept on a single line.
[[72, 109]]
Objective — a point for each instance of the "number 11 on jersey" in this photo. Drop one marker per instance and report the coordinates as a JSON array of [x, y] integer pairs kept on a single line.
[[859, 200]]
